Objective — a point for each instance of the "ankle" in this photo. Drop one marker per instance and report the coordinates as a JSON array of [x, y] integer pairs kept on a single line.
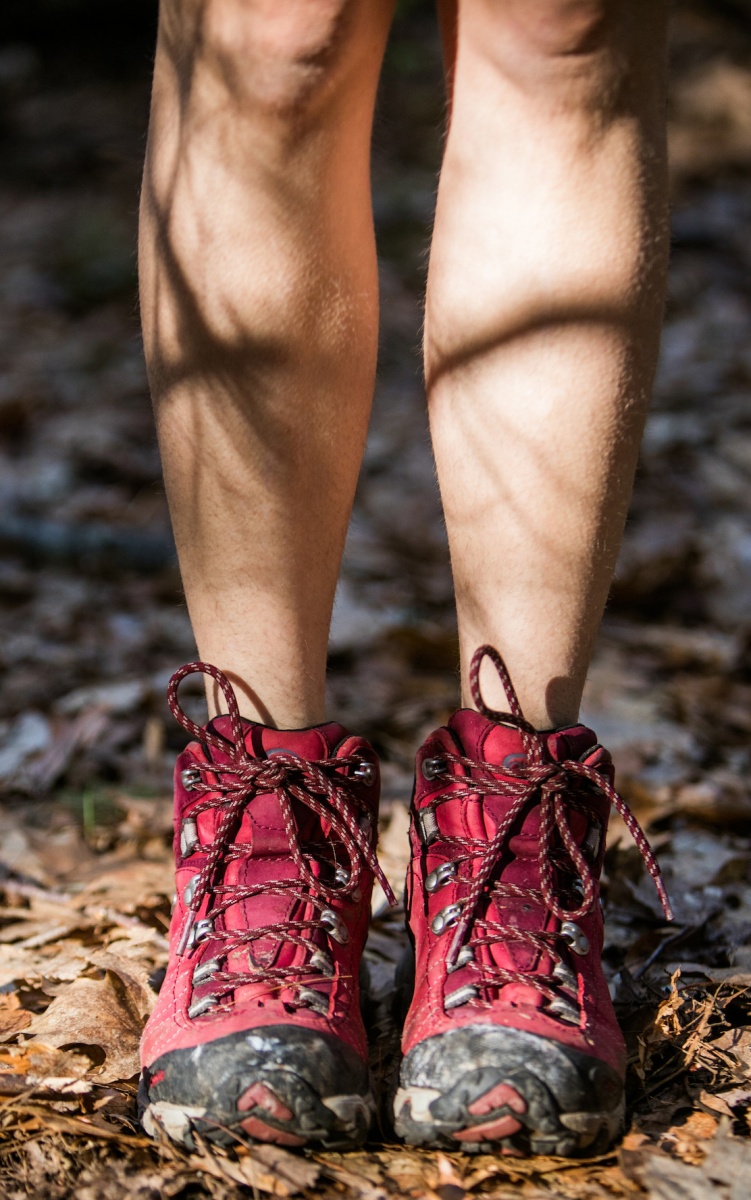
[[547, 701], [270, 702]]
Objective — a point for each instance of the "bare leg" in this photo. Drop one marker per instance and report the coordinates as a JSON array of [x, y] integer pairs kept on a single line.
[[259, 303], [544, 302]]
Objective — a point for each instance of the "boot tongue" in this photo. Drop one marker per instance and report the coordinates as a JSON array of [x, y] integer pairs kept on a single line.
[[320, 741], [263, 830], [502, 747], [263, 823], [487, 740]]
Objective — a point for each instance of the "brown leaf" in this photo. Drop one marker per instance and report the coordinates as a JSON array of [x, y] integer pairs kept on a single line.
[[690, 1138], [265, 1168], [700, 1125], [634, 1141], [132, 885], [716, 1103], [38, 1062], [129, 958], [736, 1042], [104, 1017], [49, 1119], [13, 1018], [32, 966]]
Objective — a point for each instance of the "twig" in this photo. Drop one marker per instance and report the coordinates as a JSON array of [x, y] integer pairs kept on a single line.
[[92, 912]]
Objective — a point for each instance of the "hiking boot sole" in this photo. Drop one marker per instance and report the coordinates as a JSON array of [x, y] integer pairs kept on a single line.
[[280, 1084], [484, 1088]]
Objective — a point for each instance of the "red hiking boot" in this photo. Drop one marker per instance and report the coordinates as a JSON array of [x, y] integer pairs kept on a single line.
[[511, 1041], [257, 1033]]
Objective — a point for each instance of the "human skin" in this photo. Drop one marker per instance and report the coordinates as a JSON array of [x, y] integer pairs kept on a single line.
[[260, 312], [544, 306], [259, 301]]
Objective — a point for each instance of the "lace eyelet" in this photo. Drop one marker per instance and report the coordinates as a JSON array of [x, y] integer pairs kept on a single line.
[[190, 890], [592, 840], [461, 996], [335, 925], [432, 768], [342, 877], [446, 918], [427, 824], [205, 971], [313, 999], [564, 1010], [199, 932], [189, 842], [565, 977], [365, 773], [465, 956], [320, 961], [199, 1007], [190, 778], [440, 876], [575, 938]]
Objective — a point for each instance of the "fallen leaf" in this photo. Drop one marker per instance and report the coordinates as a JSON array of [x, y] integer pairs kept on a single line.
[[104, 1017], [64, 963], [715, 1102], [37, 1062], [265, 1168], [736, 1042], [13, 1018]]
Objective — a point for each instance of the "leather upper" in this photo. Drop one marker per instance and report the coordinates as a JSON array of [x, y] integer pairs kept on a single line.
[[439, 827], [260, 854]]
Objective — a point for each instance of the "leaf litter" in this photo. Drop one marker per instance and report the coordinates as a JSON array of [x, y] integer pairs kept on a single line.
[[94, 623]]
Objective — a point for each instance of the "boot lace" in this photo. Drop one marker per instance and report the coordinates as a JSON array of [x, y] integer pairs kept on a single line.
[[228, 788], [557, 788]]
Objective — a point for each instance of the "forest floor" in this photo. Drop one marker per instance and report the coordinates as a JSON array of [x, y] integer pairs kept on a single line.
[[93, 624]]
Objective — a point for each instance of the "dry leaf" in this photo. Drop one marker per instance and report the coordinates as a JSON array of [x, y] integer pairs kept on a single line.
[[265, 1168], [13, 1018], [736, 1042], [688, 1140], [135, 884], [42, 1064], [716, 1103], [103, 1017]]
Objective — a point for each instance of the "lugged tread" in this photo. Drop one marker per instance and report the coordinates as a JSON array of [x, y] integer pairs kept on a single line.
[[552, 1099], [317, 1079]]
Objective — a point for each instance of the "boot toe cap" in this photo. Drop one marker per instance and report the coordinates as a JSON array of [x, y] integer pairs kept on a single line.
[[282, 1084]]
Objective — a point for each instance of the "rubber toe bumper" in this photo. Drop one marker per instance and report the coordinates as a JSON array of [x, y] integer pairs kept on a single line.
[[279, 1084], [523, 1093]]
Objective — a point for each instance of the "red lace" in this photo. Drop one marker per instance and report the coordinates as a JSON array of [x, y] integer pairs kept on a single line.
[[319, 784], [552, 786]]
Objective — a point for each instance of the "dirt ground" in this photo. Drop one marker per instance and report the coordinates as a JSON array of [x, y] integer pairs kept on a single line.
[[93, 624]]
